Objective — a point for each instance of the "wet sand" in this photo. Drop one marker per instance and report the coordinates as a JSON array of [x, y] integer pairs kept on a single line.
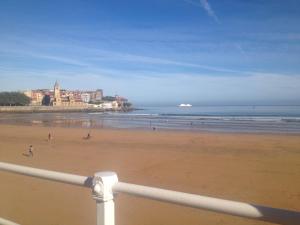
[[255, 168]]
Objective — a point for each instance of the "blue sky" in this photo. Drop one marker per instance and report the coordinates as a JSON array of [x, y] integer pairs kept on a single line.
[[155, 52]]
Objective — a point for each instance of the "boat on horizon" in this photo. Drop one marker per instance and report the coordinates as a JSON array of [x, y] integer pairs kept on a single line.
[[184, 105]]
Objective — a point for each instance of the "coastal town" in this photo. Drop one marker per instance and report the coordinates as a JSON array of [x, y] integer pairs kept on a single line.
[[59, 99]]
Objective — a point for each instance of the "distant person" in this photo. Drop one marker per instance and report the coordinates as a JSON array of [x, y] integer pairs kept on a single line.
[[49, 137], [30, 151], [88, 136], [154, 128]]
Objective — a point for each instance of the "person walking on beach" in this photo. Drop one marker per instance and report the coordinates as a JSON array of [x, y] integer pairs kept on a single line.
[[49, 137], [30, 151], [88, 135]]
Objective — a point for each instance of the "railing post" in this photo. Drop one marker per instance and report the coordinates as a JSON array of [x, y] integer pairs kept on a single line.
[[103, 194]]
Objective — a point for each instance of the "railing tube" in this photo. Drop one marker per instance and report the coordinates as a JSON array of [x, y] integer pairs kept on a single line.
[[7, 222], [47, 174], [279, 216]]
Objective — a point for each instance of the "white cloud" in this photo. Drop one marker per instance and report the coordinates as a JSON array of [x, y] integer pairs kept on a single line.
[[90, 57], [34, 54], [206, 6], [208, 9]]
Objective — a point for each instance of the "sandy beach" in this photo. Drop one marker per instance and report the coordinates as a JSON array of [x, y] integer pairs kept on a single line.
[[255, 168]]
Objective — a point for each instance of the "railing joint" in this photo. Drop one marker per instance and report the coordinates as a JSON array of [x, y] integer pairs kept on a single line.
[[102, 192]]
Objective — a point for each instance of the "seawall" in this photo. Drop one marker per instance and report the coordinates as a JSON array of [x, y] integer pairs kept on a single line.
[[47, 109]]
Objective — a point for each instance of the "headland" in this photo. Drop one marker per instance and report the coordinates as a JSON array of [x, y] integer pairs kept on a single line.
[[61, 100]]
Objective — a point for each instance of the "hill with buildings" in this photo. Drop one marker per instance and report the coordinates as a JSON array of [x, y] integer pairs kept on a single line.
[[58, 99]]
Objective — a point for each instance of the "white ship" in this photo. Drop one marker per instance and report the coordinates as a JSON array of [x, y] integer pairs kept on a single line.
[[185, 105]]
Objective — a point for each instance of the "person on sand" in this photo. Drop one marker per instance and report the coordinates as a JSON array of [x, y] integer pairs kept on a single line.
[[49, 137], [88, 136], [30, 151]]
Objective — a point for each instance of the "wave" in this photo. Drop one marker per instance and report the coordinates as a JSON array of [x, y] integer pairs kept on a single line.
[[143, 114], [125, 114], [231, 118], [291, 120], [198, 117]]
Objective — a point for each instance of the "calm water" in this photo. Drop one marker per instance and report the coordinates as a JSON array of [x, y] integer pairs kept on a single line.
[[270, 119]]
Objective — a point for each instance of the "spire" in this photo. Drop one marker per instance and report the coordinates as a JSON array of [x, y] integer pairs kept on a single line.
[[56, 85]]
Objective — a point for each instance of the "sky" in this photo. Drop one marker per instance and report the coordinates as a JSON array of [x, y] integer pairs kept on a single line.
[[204, 52]]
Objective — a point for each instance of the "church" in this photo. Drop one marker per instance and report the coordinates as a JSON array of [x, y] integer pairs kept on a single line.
[[62, 97], [65, 98]]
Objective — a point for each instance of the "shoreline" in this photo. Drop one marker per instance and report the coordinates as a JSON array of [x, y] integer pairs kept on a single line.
[[157, 119], [149, 130]]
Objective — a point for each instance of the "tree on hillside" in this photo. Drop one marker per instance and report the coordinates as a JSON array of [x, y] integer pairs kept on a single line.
[[13, 99], [46, 100]]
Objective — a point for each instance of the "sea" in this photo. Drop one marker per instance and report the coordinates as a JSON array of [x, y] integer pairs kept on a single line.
[[242, 119]]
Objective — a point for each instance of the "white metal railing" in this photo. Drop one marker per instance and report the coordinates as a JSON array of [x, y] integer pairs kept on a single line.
[[105, 184], [7, 222]]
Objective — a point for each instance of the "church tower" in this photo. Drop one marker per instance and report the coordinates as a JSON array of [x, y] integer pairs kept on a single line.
[[57, 99]]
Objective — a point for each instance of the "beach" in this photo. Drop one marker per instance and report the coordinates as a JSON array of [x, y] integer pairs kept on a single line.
[[255, 168]]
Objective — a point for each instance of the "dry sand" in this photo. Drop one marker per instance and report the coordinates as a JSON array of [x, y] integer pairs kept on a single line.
[[255, 168]]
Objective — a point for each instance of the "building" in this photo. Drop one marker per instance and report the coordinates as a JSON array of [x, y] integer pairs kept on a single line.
[[96, 96], [56, 96], [66, 98], [36, 96], [62, 97], [109, 105], [85, 97]]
